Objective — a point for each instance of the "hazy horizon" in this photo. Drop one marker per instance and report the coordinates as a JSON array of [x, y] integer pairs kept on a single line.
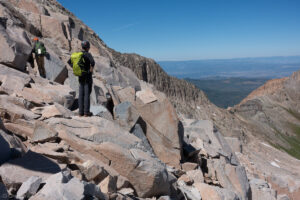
[[263, 67], [233, 58]]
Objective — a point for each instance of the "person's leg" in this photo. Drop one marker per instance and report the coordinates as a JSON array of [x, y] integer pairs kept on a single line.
[[43, 67], [90, 84], [81, 98], [86, 98], [40, 63]]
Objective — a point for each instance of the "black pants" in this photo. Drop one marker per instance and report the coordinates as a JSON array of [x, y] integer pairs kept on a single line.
[[85, 89]]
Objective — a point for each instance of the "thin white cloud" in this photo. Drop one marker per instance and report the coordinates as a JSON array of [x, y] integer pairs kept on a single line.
[[126, 26]]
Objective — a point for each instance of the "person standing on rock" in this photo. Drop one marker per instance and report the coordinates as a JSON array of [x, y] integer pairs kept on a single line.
[[85, 79], [39, 50]]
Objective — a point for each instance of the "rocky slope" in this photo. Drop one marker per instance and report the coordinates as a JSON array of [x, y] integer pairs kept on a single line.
[[275, 108], [141, 143]]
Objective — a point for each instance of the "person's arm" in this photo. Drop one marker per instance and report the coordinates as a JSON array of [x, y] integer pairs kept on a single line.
[[92, 62]]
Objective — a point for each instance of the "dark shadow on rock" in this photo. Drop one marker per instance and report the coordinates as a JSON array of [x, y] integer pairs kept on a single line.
[[31, 160], [187, 149], [4, 150], [74, 105], [181, 138], [109, 104], [139, 130], [36, 162]]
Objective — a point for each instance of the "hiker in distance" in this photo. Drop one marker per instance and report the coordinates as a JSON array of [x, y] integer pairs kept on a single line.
[[40, 52], [83, 64]]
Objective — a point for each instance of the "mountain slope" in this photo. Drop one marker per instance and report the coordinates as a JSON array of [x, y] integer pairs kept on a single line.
[[275, 108]]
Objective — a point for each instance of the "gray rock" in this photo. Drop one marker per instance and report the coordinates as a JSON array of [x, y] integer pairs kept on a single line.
[[126, 114], [210, 192], [55, 69], [92, 190], [3, 192], [63, 186], [164, 198], [92, 171], [230, 156], [235, 144], [231, 177], [16, 108], [7, 71], [243, 181], [43, 132], [189, 191], [138, 132], [13, 82], [101, 111], [283, 197], [17, 148], [72, 81], [108, 185], [29, 187], [15, 49], [259, 183], [261, 190], [203, 130], [56, 110]]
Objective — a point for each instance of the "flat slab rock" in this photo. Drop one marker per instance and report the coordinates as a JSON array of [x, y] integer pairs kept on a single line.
[[146, 96]]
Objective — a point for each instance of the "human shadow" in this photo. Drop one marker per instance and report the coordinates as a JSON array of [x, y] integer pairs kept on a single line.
[[36, 162], [4, 150], [31, 160]]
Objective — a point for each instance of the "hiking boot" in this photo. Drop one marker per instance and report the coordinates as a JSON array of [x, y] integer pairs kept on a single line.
[[88, 114]]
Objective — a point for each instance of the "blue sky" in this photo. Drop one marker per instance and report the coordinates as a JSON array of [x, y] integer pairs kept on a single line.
[[194, 29]]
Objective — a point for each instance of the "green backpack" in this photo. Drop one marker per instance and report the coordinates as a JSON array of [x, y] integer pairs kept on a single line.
[[77, 63], [40, 49]]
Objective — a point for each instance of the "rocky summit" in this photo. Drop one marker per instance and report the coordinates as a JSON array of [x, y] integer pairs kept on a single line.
[[151, 136]]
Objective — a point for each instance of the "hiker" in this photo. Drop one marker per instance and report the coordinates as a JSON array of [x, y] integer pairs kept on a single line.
[[39, 50], [86, 64]]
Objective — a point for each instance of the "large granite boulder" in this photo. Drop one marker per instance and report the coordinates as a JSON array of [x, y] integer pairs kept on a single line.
[[13, 81], [55, 68], [42, 92], [215, 155], [14, 108], [209, 192], [134, 164], [123, 151], [15, 47], [29, 188], [162, 129], [63, 186], [260, 189], [56, 29]]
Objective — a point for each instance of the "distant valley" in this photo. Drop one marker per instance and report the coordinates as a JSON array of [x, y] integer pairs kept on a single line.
[[225, 92], [226, 82], [268, 67]]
